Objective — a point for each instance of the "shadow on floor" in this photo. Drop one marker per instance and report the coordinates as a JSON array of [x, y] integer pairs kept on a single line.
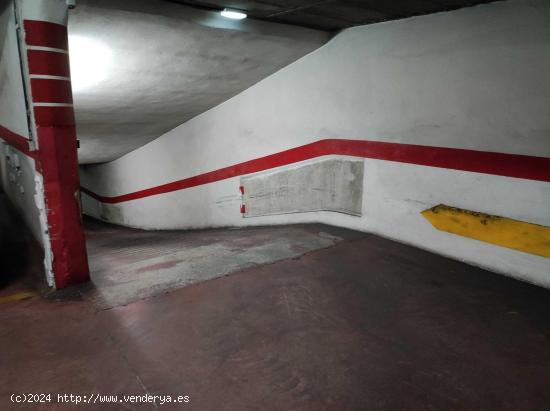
[[20, 254], [358, 323]]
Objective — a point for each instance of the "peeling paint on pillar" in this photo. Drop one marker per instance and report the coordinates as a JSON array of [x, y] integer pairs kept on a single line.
[[43, 215], [43, 27]]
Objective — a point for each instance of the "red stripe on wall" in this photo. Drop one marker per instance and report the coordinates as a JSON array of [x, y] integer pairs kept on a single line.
[[18, 142], [45, 90], [48, 63], [501, 164], [46, 34], [54, 116]]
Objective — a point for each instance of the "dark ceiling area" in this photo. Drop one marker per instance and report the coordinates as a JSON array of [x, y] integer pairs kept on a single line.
[[332, 15]]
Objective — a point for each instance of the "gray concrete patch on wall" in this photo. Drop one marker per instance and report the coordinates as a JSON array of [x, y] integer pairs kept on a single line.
[[334, 184]]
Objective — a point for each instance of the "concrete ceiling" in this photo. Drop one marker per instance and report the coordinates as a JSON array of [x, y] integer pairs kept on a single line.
[[332, 14], [142, 67]]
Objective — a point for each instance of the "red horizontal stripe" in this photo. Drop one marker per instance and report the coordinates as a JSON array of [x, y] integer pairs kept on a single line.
[[45, 90], [54, 116], [501, 164], [48, 63], [46, 34], [18, 142]]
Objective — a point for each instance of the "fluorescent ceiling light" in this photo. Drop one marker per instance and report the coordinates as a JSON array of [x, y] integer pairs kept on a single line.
[[233, 14]]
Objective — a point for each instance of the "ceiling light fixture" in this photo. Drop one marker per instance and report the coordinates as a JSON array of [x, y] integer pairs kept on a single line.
[[233, 14]]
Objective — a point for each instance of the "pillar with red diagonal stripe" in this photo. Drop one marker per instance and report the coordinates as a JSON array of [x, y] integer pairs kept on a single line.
[[46, 46]]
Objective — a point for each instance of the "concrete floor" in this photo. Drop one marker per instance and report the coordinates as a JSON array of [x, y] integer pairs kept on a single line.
[[128, 264], [359, 323]]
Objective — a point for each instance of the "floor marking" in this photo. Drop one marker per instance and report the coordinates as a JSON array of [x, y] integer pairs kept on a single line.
[[17, 297], [505, 232]]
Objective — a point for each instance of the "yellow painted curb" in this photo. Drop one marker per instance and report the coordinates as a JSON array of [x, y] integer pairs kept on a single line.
[[16, 297], [502, 231]]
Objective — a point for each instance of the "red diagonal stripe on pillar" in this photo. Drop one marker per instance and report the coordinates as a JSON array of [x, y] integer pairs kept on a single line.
[[50, 63], [54, 116], [45, 90], [46, 34]]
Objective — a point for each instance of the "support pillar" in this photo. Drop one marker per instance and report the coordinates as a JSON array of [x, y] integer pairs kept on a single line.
[[45, 61]]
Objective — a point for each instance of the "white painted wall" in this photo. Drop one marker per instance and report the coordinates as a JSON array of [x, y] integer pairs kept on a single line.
[[475, 78], [12, 100], [17, 171], [19, 185]]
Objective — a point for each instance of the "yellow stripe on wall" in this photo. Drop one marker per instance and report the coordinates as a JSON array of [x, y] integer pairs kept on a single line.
[[502, 231]]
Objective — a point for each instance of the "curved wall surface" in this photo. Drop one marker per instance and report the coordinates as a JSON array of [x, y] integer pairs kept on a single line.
[[450, 108], [141, 67]]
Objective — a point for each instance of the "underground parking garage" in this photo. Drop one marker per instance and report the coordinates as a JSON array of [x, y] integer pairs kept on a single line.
[[268, 205]]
